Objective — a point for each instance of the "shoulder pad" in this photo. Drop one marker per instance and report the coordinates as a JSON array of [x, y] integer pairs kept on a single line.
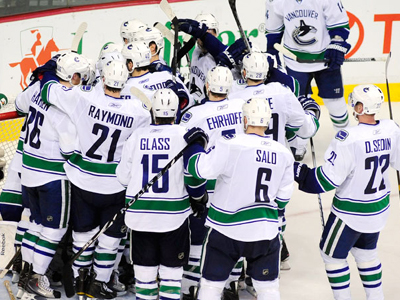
[[342, 135], [186, 117]]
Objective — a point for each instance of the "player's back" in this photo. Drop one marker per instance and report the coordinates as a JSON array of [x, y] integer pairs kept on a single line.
[[286, 109], [167, 201], [216, 118], [254, 178]]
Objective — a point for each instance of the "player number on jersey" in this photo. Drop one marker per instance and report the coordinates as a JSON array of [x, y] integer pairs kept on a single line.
[[273, 127], [34, 122], [375, 163], [103, 131], [263, 177], [155, 168]]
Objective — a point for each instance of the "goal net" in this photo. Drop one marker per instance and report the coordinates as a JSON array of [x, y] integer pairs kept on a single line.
[[10, 128]]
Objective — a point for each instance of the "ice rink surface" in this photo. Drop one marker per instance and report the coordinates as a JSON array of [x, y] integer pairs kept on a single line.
[[307, 279]]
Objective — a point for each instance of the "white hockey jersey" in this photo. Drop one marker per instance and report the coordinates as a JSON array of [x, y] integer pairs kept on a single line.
[[49, 134], [103, 124], [165, 206], [287, 111], [305, 24], [216, 118], [200, 64], [254, 178], [356, 164]]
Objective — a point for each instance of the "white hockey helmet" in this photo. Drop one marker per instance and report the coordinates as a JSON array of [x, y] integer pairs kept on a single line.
[[165, 103], [108, 57], [115, 74], [209, 20], [110, 47], [257, 112], [129, 28], [256, 66], [92, 72], [369, 95], [138, 52], [219, 80], [149, 35], [70, 63]]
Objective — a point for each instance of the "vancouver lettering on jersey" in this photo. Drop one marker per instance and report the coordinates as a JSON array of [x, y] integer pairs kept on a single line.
[[38, 101], [154, 144], [110, 117], [302, 13], [378, 145], [265, 157], [199, 73], [224, 120]]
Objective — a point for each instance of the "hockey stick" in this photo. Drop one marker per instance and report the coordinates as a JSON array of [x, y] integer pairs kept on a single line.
[[78, 37], [9, 290], [142, 97], [232, 4], [390, 106], [68, 266], [167, 9], [293, 56], [321, 212], [10, 263]]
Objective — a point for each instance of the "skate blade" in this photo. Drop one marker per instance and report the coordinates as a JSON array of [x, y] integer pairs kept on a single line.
[[29, 296], [251, 291]]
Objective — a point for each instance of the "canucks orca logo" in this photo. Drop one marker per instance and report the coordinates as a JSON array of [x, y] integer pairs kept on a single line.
[[302, 31]]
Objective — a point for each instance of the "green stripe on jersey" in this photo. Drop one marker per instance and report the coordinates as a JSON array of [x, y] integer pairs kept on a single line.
[[308, 56], [245, 214], [45, 91], [342, 26], [10, 197], [361, 207], [43, 164], [160, 205], [20, 145], [98, 168], [326, 185], [192, 166]]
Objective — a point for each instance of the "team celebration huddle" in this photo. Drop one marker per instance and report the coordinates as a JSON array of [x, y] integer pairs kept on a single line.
[[142, 181]]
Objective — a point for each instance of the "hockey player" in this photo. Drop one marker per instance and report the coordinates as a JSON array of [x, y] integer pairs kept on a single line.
[[48, 131], [156, 249], [129, 28], [314, 29], [104, 121], [356, 165], [243, 218], [217, 116]]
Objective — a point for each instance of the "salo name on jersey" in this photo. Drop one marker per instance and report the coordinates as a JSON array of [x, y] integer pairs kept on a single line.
[[378, 145], [302, 13], [38, 101], [154, 144], [265, 157], [110, 117], [224, 120], [199, 73]]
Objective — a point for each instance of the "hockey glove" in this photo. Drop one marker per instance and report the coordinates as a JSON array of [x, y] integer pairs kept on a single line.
[[50, 66], [180, 91], [198, 205], [335, 52], [196, 135], [192, 27], [233, 55], [2, 163], [300, 172], [309, 103]]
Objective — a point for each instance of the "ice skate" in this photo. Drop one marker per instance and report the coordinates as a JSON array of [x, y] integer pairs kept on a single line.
[[40, 285]]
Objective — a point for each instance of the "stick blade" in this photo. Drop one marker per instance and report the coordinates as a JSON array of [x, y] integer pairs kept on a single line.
[[165, 32], [142, 97], [285, 51], [167, 9], [78, 36]]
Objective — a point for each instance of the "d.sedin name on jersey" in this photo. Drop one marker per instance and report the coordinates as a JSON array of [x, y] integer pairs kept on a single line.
[[378, 145], [110, 117]]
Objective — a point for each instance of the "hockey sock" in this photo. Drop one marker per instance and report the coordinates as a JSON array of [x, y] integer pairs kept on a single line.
[[22, 227], [338, 275], [210, 289], [191, 272], [46, 247], [146, 282], [235, 273], [338, 112], [29, 240], [370, 270], [104, 257], [170, 282], [267, 290], [86, 258], [120, 252]]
